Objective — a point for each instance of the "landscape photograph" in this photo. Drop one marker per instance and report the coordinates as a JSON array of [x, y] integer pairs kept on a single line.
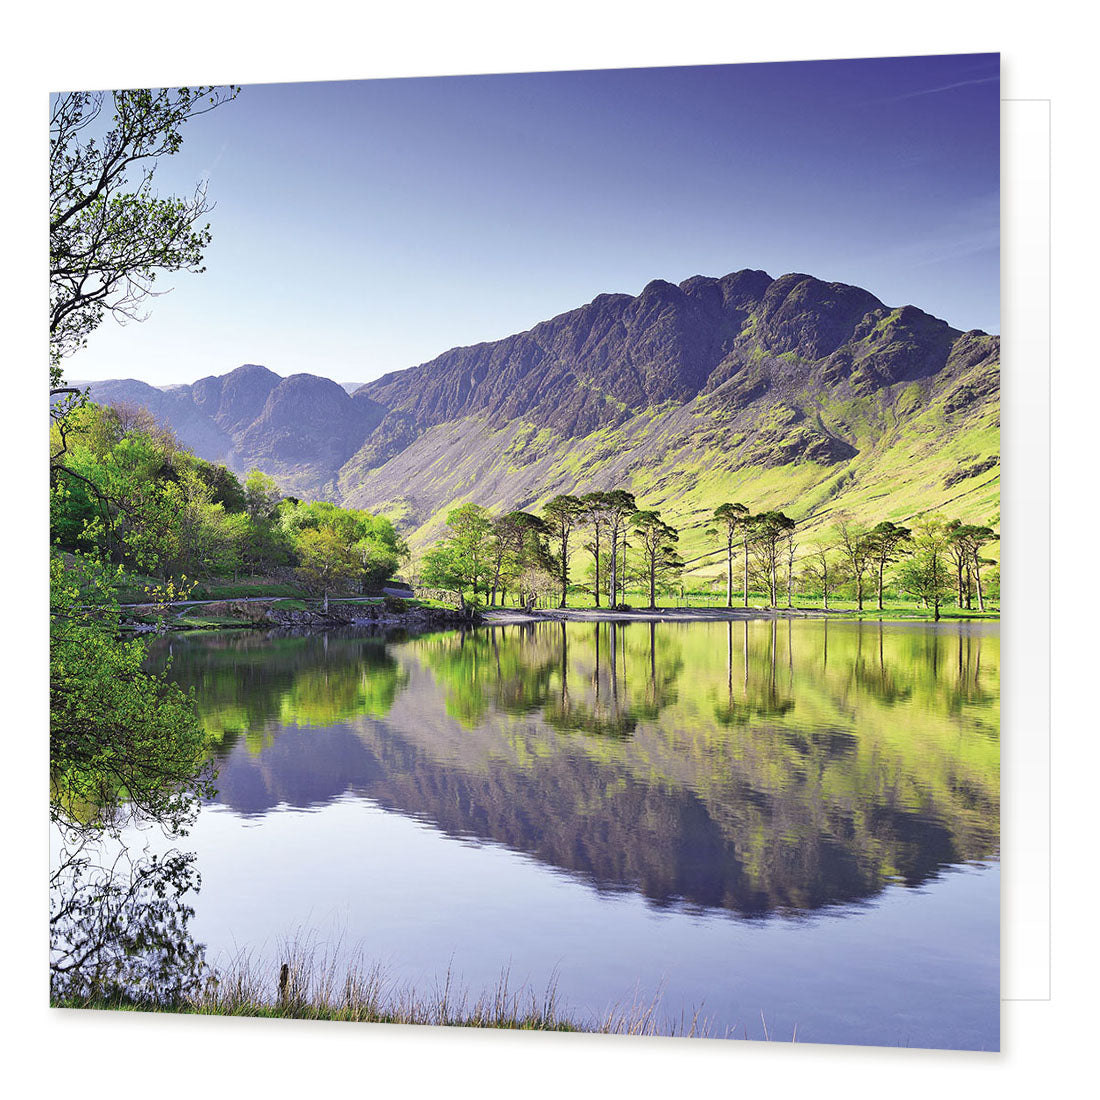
[[525, 551]]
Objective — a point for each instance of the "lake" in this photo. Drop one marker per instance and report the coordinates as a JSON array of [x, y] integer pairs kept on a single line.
[[791, 825]]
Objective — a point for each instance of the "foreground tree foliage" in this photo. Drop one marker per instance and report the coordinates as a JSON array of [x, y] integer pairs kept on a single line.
[[122, 741], [110, 233], [124, 745]]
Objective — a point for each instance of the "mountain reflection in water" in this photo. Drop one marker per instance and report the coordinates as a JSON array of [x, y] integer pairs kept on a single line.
[[753, 767]]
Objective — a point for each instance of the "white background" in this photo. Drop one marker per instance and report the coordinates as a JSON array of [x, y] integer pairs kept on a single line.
[[1046, 55]]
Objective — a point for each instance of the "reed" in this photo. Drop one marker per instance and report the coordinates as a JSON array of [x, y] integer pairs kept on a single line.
[[314, 982]]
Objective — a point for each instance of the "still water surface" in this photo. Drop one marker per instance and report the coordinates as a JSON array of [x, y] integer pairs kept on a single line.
[[795, 819]]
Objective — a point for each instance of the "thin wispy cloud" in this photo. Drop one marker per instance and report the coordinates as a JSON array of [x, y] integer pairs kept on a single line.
[[214, 164], [942, 88]]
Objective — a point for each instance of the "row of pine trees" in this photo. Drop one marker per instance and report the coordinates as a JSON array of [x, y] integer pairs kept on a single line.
[[627, 548]]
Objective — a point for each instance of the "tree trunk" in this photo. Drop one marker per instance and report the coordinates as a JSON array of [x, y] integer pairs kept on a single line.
[[614, 591], [881, 568], [622, 577], [978, 583], [597, 555], [745, 579], [653, 584], [729, 573], [564, 567]]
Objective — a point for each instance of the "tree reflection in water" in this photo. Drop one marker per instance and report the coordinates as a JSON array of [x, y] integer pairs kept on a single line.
[[759, 767], [119, 925], [755, 767]]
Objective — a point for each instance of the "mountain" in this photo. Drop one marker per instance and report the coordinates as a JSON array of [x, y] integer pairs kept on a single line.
[[790, 393], [300, 429]]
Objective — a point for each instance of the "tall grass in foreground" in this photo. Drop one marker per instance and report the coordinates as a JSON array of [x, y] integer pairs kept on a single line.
[[314, 985]]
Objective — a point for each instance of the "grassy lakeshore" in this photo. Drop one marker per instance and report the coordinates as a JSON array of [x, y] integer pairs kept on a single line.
[[248, 601], [310, 989], [704, 607]]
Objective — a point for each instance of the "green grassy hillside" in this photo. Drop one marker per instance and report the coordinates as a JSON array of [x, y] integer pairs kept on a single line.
[[916, 447]]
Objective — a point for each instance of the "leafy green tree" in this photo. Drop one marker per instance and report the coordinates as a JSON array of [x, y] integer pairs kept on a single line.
[[267, 544], [820, 571], [978, 537], [515, 541], [856, 550], [604, 512], [657, 542], [563, 515], [219, 541], [470, 543], [770, 531], [126, 482], [732, 518], [261, 495], [224, 486], [327, 560], [959, 551], [440, 568], [925, 573], [123, 742], [748, 530], [884, 542], [369, 541], [964, 543], [110, 233], [617, 506]]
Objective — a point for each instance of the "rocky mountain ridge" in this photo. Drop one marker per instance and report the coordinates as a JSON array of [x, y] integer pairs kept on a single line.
[[715, 379]]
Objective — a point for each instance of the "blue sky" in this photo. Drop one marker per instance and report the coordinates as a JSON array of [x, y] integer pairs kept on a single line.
[[367, 226]]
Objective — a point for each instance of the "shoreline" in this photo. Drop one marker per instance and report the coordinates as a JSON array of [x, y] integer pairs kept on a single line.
[[510, 617], [259, 613]]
